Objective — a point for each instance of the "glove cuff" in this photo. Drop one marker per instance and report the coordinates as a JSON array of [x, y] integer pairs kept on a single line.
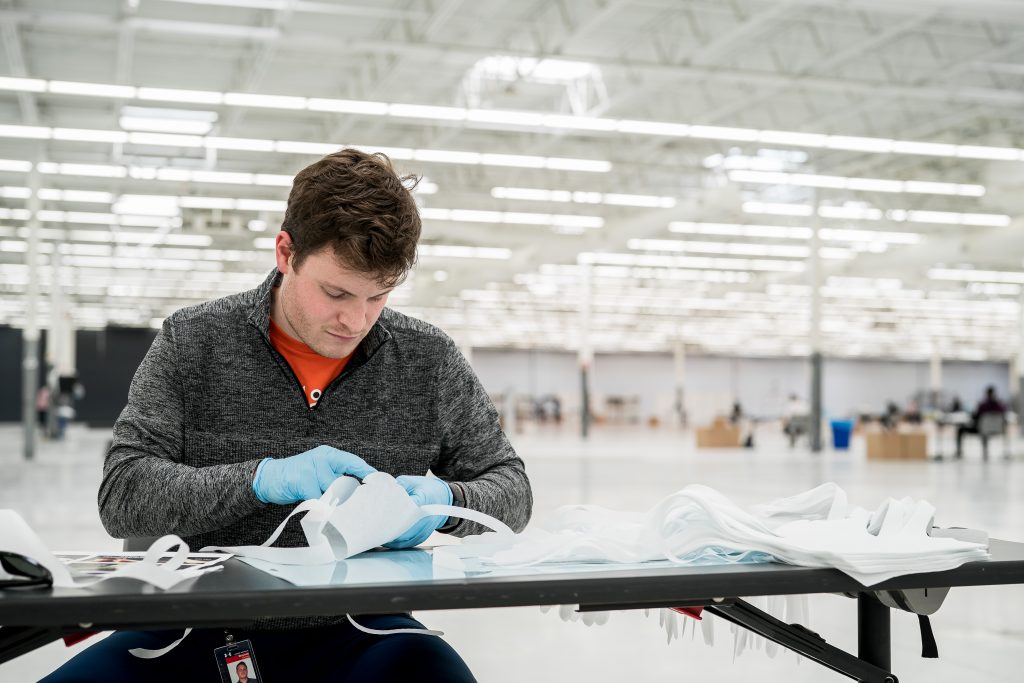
[[256, 488]]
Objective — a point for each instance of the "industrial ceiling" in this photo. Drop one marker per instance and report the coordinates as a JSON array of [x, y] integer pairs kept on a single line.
[[623, 175]]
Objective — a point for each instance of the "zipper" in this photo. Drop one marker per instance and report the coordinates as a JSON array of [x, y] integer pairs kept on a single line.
[[287, 368]]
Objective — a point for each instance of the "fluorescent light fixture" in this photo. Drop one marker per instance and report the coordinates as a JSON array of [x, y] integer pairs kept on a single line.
[[423, 111], [273, 180], [731, 248], [459, 251], [586, 165], [506, 117], [778, 209], [562, 121], [515, 160], [676, 130], [180, 121], [520, 218], [165, 140], [182, 96], [784, 137], [146, 205], [90, 170], [993, 153], [564, 196], [227, 177], [312, 148], [347, 106], [741, 230], [446, 157], [206, 202], [122, 92], [239, 99], [864, 213], [244, 144], [18, 193], [15, 165], [723, 133], [272, 205], [858, 144], [531, 119], [90, 135], [924, 148], [26, 132], [22, 84], [972, 275]]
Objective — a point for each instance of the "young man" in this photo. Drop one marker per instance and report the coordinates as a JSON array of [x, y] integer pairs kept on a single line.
[[247, 405]]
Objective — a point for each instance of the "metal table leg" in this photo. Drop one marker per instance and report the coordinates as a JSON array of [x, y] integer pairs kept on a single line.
[[873, 632]]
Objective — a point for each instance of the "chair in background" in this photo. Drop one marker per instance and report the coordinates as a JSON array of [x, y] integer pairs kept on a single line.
[[991, 425]]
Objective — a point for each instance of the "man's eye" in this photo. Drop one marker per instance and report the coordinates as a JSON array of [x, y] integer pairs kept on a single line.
[[338, 295]]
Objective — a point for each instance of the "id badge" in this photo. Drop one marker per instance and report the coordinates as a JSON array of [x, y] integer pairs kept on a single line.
[[237, 663]]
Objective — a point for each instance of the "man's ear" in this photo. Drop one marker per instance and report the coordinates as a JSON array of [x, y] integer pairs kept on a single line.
[[284, 251]]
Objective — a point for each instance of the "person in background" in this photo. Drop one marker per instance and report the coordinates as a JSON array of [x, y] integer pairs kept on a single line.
[[795, 418], [913, 412], [43, 407], [989, 404]]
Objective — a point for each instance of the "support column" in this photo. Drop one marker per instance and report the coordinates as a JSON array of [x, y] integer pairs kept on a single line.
[[934, 379], [1020, 364], [814, 271], [30, 333], [679, 363], [586, 352]]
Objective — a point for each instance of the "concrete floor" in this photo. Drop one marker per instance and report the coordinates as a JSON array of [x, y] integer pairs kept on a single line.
[[980, 631]]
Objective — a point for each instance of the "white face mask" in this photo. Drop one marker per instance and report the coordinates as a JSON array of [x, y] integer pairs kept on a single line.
[[350, 518]]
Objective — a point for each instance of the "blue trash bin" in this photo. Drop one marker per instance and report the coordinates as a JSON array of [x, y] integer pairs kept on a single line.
[[841, 430]]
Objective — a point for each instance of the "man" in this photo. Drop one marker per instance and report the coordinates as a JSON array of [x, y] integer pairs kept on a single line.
[[988, 405], [242, 672], [247, 405]]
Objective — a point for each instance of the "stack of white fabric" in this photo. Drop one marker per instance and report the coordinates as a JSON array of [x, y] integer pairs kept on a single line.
[[698, 525]]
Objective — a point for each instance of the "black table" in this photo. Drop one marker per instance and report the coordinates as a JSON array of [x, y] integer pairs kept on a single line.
[[31, 618]]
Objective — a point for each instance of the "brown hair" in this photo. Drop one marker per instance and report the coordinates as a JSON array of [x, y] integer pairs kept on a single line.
[[355, 203]]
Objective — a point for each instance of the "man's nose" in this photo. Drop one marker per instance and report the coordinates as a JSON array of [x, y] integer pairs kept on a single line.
[[352, 315]]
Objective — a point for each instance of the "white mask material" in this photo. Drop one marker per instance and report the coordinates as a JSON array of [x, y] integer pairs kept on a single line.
[[16, 536], [351, 518], [698, 525]]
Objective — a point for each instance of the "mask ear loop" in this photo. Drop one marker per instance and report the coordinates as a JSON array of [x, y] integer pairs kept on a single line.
[[395, 631], [429, 511]]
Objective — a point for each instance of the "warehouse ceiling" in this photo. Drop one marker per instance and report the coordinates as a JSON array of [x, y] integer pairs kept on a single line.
[[626, 175]]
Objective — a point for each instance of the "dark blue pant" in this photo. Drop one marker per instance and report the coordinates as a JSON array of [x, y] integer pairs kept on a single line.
[[329, 654]]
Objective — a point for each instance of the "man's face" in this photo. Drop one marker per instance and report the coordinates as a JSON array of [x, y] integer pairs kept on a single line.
[[324, 304], [243, 672]]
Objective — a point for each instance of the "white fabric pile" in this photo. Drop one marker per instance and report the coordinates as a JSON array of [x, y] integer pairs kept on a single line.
[[698, 525]]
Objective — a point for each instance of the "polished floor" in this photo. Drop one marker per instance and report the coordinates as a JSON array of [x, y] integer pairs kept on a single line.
[[980, 631]]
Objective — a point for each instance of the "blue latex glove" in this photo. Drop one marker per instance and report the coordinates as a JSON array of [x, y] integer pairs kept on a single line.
[[423, 491], [306, 475]]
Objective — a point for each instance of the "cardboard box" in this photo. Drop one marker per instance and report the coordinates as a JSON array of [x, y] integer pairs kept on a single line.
[[914, 446], [718, 436], [884, 445]]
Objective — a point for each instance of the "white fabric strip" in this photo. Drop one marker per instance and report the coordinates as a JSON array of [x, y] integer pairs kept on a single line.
[[143, 653], [16, 536], [394, 631], [350, 518]]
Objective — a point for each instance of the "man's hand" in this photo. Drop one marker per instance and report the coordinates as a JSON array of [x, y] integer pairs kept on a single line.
[[423, 491], [306, 475]]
